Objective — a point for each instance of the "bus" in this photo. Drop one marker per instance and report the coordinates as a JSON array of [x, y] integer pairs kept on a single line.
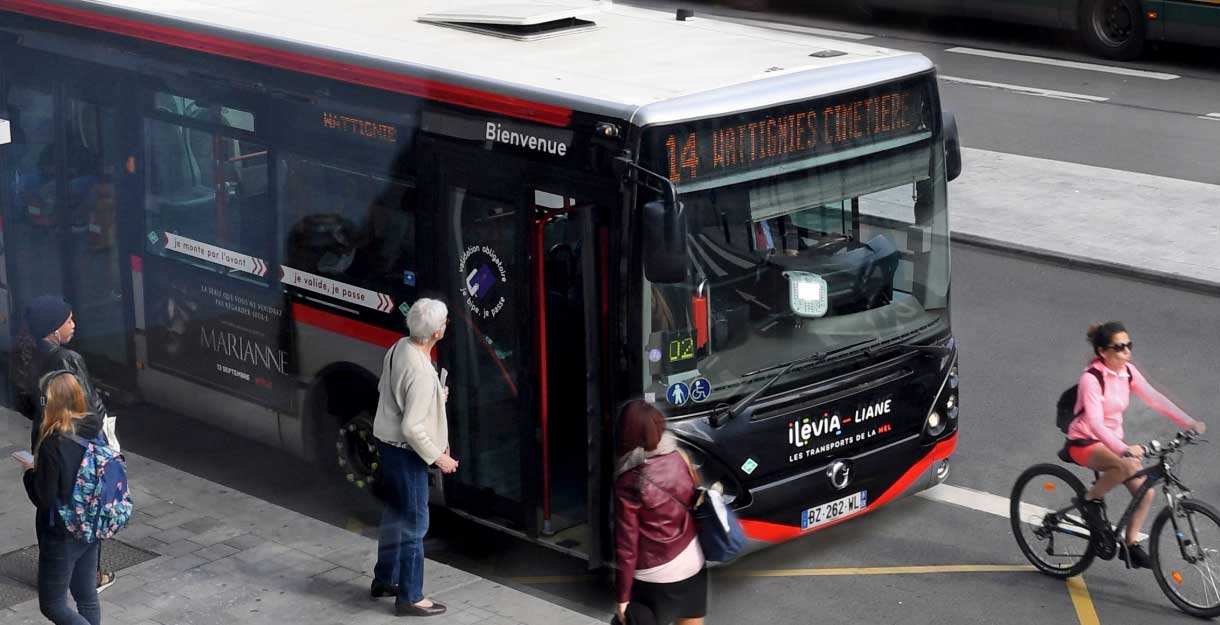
[[750, 229]]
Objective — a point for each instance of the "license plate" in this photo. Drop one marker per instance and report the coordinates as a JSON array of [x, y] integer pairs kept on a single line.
[[832, 510]]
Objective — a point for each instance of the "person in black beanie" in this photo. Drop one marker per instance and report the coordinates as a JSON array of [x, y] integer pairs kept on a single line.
[[49, 320]]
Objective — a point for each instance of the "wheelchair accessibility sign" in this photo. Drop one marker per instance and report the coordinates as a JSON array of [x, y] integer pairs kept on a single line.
[[700, 390]]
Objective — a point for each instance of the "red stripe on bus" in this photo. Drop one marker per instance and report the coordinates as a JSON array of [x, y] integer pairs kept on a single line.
[[330, 322], [433, 90], [778, 532]]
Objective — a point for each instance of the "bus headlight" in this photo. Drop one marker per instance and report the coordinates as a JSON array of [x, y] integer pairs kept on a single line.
[[936, 423], [807, 293]]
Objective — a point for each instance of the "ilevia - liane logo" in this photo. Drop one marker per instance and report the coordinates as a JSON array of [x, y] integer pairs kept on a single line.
[[805, 434]]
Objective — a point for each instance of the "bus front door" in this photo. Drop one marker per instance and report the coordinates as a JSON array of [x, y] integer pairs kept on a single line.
[[511, 269], [482, 269]]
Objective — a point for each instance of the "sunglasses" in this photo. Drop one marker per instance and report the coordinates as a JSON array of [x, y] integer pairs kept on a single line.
[[1118, 347]]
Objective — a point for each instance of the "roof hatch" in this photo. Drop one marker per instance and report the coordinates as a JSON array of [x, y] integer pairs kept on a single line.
[[523, 21]]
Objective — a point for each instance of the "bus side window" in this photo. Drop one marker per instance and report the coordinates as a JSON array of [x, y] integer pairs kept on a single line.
[[346, 225], [208, 188]]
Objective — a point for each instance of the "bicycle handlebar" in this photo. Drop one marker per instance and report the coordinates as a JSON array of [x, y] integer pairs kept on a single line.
[[1157, 449]]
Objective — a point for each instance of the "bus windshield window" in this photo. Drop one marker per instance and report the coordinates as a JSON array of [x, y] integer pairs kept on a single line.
[[784, 267]]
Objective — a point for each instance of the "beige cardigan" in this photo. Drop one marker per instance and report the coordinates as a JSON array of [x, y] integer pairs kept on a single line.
[[411, 408]]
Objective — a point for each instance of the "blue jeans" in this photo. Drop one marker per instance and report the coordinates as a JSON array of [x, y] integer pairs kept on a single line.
[[67, 565], [400, 541]]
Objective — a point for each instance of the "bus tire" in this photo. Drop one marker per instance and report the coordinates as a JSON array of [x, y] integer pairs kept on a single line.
[[343, 432], [1113, 29]]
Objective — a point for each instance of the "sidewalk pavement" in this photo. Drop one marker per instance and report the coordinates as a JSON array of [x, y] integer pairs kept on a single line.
[[1160, 229], [221, 557]]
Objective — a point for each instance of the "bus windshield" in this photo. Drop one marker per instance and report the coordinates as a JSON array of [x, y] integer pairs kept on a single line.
[[786, 266]]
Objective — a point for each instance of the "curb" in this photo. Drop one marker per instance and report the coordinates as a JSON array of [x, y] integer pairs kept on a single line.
[[1151, 276]]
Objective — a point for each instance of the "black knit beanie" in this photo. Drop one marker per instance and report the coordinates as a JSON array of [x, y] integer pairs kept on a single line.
[[45, 313]]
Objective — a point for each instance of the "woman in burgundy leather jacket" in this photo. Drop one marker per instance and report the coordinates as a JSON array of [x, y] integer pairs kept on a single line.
[[660, 564]]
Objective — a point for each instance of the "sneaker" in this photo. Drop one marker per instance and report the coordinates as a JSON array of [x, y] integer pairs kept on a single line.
[[105, 579], [1092, 511], [1136, 556]]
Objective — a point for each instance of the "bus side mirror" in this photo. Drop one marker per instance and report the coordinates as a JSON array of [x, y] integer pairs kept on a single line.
[[953, 148], [665, 258]]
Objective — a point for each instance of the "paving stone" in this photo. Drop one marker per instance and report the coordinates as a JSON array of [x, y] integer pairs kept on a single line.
[[243, 542], [201, 525], [218, 535], [216, 552], [174, 519], [159, 509], [339, 575], [181, 548]]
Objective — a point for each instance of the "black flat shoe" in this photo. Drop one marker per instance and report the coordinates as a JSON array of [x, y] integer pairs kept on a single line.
[[382, 589], [409, 609]]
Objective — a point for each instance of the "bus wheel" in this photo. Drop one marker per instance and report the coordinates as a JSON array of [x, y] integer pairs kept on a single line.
[[356, 450], [1112, 28]]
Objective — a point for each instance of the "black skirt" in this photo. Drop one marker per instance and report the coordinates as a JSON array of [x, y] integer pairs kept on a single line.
[[674, 600]]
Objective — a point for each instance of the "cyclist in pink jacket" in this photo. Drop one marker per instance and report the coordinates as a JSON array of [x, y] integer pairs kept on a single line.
[[1097, 433]]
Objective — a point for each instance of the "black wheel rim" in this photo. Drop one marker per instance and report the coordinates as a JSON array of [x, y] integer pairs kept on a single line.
[[1052, 542], [357, 451], [1188, 559], [1113, 23]]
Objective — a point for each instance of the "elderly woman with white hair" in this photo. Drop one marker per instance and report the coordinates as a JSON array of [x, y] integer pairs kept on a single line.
[[412, 434]]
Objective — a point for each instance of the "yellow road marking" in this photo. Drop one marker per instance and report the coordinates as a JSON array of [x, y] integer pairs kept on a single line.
[[887, 570], [1085, 612], [876, 570]]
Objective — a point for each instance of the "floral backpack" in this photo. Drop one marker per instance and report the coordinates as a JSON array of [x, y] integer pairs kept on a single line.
[[101, 504]]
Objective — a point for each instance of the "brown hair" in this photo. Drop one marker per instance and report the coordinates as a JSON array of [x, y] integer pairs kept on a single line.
[[65, 404], [1101, 335], [640, 424]]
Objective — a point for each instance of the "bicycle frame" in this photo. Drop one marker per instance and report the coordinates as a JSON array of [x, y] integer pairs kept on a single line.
[[1160, 472]]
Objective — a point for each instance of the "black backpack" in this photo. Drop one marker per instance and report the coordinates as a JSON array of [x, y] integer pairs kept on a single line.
[[1065, 408]]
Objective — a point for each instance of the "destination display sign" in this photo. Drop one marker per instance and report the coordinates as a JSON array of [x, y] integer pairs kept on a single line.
[[358, 127], [720, 147]]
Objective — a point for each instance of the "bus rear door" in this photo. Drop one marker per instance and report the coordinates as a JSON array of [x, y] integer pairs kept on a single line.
[[74, 146]]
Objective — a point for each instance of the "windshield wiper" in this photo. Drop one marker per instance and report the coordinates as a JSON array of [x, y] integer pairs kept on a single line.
[[720, 416], [939, 350]]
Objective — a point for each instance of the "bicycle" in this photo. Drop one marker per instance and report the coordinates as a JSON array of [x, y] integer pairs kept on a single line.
[[1060, 543]]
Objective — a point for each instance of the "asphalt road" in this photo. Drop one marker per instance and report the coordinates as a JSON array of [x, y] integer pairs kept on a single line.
[[1020, 325]]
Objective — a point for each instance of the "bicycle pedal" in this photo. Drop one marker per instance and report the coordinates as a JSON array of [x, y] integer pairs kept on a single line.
[[1107, 550]]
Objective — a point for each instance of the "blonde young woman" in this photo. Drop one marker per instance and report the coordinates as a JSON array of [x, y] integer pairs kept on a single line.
[[65, 564]]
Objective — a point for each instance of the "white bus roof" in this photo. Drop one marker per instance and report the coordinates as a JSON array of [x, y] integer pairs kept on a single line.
[[636, 64]]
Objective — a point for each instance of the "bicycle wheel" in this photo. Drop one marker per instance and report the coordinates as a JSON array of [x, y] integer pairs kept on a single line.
[[1186, 557], [1047, 523]]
